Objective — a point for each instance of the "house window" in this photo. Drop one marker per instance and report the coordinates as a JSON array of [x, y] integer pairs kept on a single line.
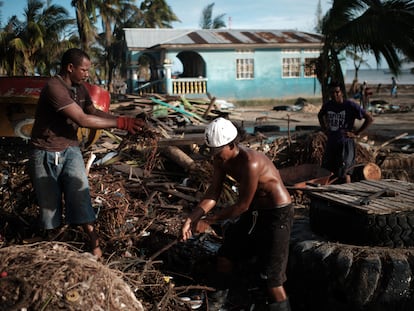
[[310, 67], [291, 67], [245, 68], [244, 64]]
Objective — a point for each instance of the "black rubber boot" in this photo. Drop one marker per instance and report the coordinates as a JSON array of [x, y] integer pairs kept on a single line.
[[222, 282], [280, 306], [217, 299]]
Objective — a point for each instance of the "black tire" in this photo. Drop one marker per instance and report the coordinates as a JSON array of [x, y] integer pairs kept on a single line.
[[323, 275], [348, 225]]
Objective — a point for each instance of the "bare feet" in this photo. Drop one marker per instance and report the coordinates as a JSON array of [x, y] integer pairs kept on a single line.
[[97, 252], [94, 240]]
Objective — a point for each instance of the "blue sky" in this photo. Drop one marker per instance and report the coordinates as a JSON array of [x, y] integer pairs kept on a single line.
[[259, 14], [244, 14], [262, 14]]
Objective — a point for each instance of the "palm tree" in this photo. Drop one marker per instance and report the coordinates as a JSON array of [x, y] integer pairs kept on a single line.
[[9, 57], [31, 38], [208, 22], [157, 14], [106, 48], [383, 28], [112, 14], [85, 19], [88, 12], [29, 43], [108, 12], [129, 17], [59, 36]]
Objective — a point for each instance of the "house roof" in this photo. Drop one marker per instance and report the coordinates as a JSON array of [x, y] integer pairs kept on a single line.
[[144, 38]]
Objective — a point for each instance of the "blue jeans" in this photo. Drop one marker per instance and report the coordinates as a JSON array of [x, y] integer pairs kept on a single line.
[[59, 177]]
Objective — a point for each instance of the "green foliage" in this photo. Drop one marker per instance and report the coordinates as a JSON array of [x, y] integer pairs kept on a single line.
[[32, 46], [383, 28], [208, 22], [157, 14]]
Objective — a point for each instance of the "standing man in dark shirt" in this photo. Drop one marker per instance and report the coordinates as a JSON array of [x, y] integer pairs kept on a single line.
[[57, 168], [337, 118]]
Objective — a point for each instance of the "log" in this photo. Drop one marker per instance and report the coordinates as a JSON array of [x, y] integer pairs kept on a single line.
[[179, 157], [369, 171]]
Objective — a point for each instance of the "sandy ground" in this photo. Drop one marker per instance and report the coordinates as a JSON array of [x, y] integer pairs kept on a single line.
[[387, 123]]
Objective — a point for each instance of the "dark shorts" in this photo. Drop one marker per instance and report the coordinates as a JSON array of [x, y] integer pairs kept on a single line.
[[59, 177], [339, 158], [266, 234]]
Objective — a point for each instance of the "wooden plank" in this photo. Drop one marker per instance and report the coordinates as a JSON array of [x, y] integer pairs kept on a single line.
[[375, 206], [404, 189], [340, 199], [404, 201], [352, 203]]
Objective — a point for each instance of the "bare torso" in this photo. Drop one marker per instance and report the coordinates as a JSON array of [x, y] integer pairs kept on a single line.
[[258, 177]]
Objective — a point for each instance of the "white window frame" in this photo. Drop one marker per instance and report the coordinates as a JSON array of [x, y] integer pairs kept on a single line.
[[244, 64], [291, 67]]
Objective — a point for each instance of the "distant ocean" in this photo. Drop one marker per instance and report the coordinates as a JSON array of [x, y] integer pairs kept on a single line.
[[377, 76]]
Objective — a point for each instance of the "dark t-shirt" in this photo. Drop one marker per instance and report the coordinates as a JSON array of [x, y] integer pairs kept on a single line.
[[341, 118], [52, 130]]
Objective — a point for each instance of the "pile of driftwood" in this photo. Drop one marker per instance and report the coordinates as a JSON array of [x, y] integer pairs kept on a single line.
[[142, 186]]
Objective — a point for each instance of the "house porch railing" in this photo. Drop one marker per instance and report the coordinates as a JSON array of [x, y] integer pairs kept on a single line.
[[180, 86], [184, 86]]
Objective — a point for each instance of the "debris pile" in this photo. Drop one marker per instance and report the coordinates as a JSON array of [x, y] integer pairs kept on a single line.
[[382, 106], [54, 276], [141, 186]]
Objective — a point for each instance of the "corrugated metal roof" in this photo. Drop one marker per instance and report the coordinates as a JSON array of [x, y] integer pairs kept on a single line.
[[141, 38], [147, 37]]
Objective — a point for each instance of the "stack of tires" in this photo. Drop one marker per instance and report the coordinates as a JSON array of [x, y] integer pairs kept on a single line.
[[324, 274]]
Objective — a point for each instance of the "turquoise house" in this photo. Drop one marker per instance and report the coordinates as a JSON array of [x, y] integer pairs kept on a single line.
[[227, 63]]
